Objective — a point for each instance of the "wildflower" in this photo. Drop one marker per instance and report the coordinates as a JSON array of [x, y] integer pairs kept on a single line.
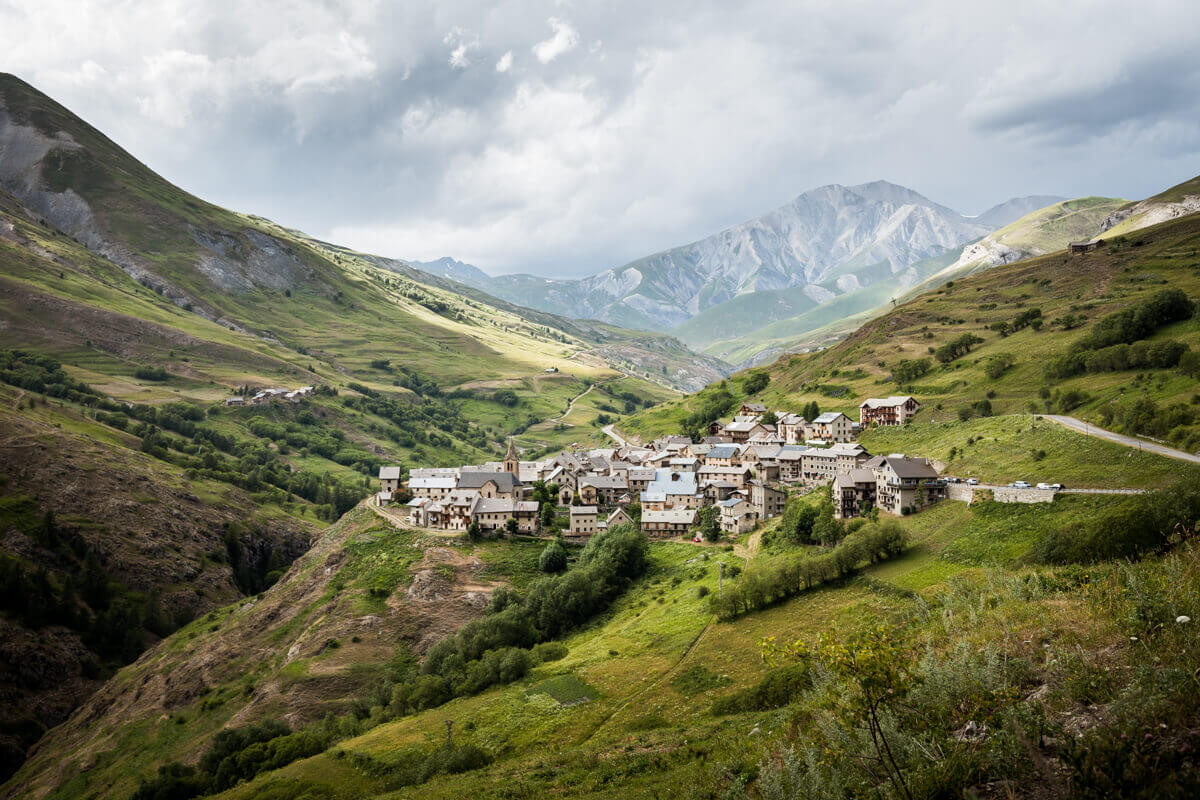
[[1182, 619]]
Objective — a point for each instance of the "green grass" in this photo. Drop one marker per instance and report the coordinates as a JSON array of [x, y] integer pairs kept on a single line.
[[567, 690], [1023, 447]]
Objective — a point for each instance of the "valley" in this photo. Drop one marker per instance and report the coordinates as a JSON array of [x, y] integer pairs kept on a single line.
[[917, 517]]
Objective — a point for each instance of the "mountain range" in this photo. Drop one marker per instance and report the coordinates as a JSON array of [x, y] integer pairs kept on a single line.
[[826, 243]]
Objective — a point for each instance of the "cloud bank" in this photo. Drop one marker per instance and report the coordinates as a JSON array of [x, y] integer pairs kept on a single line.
[[563, 138]]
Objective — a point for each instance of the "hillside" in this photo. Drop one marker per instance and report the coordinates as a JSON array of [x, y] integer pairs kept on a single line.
[[1178, 201], [658, 696], [1006, 371], [828, 242], [131, 310]]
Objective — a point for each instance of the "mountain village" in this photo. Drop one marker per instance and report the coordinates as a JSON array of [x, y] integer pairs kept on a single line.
[[745, 468]]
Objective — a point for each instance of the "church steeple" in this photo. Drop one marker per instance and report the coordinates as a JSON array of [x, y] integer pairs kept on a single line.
[[512, 463]]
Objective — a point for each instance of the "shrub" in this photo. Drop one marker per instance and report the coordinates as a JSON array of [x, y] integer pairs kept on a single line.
[[956, 348], [777, 688], [908, 370], [553, 557], [1144, 525]]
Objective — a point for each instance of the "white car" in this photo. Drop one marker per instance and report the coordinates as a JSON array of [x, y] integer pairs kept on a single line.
[[1044, 486], [1020, 484], [972, 481]]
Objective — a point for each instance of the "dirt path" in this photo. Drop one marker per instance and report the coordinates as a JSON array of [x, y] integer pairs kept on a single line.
[[611, 432], [670, 672], [750, 549], [571, 404], [1088, 429]]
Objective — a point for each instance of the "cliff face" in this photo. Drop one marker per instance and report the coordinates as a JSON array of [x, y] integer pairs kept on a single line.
[[77, 511]]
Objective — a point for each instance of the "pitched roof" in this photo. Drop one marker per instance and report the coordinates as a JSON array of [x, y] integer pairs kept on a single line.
[[604, 481], [828, 417], [581, 510], [759, 407], [435, 482], [676, 516], [723, 451], [911, 467], [389, 473], [742, 426], [505, 481], [886, 402]]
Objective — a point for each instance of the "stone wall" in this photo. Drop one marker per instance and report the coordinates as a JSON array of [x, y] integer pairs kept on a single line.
[[1001, 494]]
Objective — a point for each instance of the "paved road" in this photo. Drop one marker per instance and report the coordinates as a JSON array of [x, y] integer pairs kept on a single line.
[[1064, 491], [1128, 441], [611, 432]]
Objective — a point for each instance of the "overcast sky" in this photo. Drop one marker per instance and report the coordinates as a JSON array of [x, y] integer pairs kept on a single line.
[[562, 138]]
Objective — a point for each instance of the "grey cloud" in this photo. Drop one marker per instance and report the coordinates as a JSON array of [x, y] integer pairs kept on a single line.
[[689, 117]]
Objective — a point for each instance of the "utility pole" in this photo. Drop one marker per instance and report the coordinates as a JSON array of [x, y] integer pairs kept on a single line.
[[720, 576]]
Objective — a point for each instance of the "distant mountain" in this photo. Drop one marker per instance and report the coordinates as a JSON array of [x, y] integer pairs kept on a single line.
[[828, 242], [1012, 210], [446, 267]]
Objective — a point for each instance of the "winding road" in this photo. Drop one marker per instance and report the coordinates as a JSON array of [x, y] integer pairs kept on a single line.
[[611, 432], [1089, 429]]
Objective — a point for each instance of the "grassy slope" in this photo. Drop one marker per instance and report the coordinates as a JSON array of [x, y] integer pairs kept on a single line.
[[341, 312], [1093, 285], [638, 735]]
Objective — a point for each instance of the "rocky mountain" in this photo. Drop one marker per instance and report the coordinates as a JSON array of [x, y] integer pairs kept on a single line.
[[828, 242], [1178, 201], [1042, 231]]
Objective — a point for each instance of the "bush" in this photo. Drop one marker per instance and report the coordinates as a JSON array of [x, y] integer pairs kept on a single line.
[[908, 370], [495, 648], [956, 348], [764, 584], [777, 688], [151, 374], [553, 557], [1146, 524], [1138, 320]]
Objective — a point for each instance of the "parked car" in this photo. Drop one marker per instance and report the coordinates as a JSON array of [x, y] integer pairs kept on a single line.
[[1058, 487], [1044, 486], [972, 481], [1020, 484]]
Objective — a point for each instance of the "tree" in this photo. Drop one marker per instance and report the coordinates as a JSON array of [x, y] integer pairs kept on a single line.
[[811, 410], [708, 523], [547, 515], [510, 526], [797, 522], [769, 418], [756, 381], [474, 531], [827, 529], [553, 557]]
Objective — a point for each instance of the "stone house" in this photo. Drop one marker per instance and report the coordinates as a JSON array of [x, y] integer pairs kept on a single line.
[[832, 426], [907, 485], [583, 520], [389, 479], [491, 484], [660, 524], [766, 501], [854, 493], [737, 516], [895, 410]]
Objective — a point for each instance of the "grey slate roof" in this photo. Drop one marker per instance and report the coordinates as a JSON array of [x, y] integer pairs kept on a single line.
[[505, 481]]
